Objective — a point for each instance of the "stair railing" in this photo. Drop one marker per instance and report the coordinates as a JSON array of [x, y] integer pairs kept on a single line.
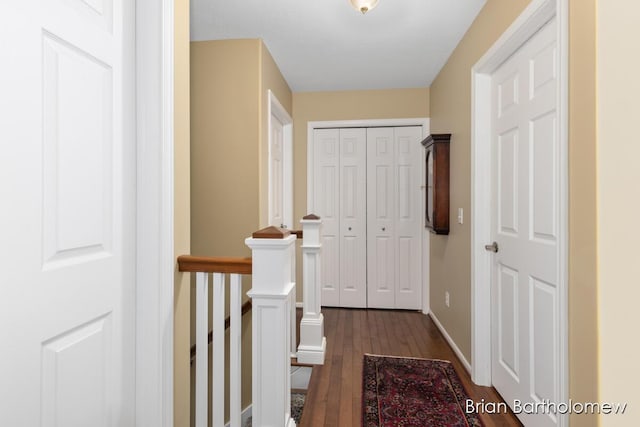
[[218, 267], [273, 301]]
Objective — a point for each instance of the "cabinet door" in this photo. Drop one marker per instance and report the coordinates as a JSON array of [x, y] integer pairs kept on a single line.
[[353, 221]]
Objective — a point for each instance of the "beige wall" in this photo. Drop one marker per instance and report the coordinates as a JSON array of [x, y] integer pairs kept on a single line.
[[451, 113], [583, 339], [618, 91], [224, 145], [182, 212], [270, 79], [224, 154], [450, 255], [230, 80]]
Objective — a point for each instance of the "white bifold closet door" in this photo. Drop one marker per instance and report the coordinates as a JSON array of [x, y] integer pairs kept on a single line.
[[394, 206], [366, 189], [340, 200]]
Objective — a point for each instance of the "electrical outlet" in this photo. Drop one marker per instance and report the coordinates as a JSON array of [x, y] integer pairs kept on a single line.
[[446, 299]]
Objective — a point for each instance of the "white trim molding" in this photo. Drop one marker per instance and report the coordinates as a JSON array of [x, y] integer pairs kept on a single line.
[[155, 175], [532, 19]]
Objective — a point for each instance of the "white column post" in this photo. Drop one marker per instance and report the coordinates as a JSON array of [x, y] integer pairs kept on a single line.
[[313, 343], [273, 253]]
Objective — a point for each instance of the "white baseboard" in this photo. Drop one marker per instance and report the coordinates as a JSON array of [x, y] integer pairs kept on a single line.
[[246, 414], [451, 343], [299, 304]]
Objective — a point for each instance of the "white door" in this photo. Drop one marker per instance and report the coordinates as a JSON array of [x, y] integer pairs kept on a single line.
[[339, 191], [525, 218], [280, 165], [381, 218], [326, 193], [408, 210], [394, 209], [67, 179], [276, 174], [353, 217]]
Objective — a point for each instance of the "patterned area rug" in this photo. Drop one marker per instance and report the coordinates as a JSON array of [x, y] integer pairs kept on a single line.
[[297, 405], [407, 392]]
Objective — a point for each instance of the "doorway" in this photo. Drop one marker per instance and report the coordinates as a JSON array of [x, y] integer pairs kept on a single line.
[[519, 204], [280, 165], [350, 181]]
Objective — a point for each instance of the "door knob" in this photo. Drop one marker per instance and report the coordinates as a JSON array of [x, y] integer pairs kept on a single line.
[[349, 228], [384, 229], [492, 247]]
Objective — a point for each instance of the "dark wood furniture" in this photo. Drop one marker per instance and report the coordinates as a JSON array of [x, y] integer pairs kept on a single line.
[[437, 183]]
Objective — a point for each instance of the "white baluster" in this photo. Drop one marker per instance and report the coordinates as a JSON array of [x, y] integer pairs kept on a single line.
[[202, 347], [271, 326], [235, 378], [292, 303], [313, 343], [217, 395]]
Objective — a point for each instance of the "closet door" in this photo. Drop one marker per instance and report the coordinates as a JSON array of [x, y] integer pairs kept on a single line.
[[340, 200], [326, 202], [353, 218], [381, 207], [409, 156], [394, 207]]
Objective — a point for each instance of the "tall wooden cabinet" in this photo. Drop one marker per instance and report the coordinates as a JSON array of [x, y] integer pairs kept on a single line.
[[367, 189], [437, 179]]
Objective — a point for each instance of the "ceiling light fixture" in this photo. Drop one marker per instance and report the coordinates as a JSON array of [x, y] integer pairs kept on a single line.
[[363, 6]]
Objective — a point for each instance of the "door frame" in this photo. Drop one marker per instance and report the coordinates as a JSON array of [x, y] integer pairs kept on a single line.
[[532, 19], [424, 122], [155, 260], [276, 109]]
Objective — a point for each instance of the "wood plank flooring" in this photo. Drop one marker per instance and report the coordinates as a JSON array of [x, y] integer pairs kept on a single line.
[[334, 398]]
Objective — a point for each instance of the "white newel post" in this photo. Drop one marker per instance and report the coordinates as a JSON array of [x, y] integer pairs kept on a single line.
[[273, 254], [313, 343]]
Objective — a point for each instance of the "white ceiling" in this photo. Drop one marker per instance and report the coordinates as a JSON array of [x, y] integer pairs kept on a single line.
[[322, 45]]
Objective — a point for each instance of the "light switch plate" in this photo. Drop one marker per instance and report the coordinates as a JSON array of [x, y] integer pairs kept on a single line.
[[460, 215]]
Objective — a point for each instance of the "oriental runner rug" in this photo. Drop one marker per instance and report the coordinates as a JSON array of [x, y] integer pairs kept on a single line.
[[410, 392]]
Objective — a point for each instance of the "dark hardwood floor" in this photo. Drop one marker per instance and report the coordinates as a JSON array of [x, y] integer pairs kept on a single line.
[[334, 397]]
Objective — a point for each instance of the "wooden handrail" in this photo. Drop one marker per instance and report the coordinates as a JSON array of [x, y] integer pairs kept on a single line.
[[230, 265], [196, 264], [298, 233], [246, 307]]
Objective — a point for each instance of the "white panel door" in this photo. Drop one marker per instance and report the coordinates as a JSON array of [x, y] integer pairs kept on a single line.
[[326, 193], [409, 155], [381, 218], [67, 179], [280, 159], [525, 217], [394, 209], [276, 174], [353, 218]]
